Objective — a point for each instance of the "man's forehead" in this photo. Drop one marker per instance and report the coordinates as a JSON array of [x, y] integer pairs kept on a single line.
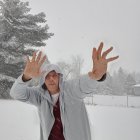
[[52, 72]]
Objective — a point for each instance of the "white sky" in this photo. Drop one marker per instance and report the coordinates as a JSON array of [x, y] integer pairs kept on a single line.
[[80, 25]]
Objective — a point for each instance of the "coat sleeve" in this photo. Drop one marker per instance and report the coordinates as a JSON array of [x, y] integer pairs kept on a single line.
[[22, 92], [81, 86]]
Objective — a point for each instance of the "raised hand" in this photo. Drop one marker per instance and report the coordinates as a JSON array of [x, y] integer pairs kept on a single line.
[[32, 68], [100, 62]]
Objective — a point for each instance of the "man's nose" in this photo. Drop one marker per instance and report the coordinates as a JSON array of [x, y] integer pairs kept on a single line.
[[51, 78]]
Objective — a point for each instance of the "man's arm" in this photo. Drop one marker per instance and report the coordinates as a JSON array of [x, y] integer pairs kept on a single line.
[[100, 62], [88, 83], [81, 86], [22, 92], [20, 89]]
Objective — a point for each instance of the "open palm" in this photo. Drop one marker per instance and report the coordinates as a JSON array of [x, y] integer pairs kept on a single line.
[[32, 68], [100, 61]]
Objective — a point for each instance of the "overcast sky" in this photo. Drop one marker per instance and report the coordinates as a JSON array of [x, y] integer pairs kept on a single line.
[[80, 25]]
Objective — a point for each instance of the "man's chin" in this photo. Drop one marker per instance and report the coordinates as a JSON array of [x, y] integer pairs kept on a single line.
[[52, 89]]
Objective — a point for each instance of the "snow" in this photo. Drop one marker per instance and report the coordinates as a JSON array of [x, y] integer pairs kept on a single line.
[[20, 121], [138, 85], [112, 100], [107, 100], [9, 78], [114, 123]]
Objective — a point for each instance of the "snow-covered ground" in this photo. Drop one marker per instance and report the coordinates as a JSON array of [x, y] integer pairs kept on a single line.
[[114, 123], [111, 100], [20, 121]]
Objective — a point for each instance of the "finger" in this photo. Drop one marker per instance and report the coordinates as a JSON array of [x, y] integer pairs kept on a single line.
[[99, 51], [42, 61], [28, 60], [34, 56], [112, 58], [38, 57], [107, 52], [94, 54]]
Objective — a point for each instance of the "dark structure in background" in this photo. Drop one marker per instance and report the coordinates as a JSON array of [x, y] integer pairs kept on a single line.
[[137, 89]]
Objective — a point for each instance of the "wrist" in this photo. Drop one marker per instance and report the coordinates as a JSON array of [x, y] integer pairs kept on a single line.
[[93, 76], [102, 78], [26, 78]]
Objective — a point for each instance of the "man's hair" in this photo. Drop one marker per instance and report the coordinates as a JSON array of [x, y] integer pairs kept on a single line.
[[44, 86]]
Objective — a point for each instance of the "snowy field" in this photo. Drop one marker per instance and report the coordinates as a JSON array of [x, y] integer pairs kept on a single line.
[[108, 100], [20, 121]]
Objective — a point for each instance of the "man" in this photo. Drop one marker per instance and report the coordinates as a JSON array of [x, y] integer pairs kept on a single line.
[[60, 103]]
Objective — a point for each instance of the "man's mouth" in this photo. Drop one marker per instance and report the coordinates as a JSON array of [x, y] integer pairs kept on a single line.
[[51, 84]]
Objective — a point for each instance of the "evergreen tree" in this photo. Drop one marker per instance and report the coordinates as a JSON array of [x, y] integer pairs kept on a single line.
[[119, 82], [129, 83], [108, 86], [20, 33]]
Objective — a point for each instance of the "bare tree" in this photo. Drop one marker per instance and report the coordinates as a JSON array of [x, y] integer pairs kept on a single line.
[[66, 69], [72, 69], [76, 66]]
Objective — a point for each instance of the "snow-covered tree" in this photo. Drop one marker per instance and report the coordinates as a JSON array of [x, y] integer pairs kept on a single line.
[[119, 81], [108, 86], [76, 66], [72, 69], [66, 69], [21, 28], [20, 33], [129, 83]]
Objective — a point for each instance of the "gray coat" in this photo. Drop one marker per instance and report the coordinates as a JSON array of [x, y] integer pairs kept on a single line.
[[73, 112]]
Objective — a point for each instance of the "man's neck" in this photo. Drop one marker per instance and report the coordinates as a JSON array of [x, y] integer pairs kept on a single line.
[[54, 92]]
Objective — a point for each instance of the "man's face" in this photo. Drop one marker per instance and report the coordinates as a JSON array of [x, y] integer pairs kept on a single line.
[[52, 82]]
